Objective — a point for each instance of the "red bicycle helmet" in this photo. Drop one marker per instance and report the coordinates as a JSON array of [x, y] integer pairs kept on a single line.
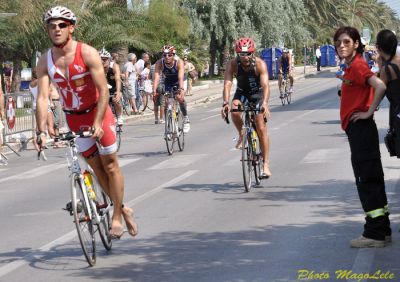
[[245, 44], [168, 49]]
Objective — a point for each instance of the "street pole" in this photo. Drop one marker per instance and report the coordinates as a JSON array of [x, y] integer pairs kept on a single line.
[[305, 58]]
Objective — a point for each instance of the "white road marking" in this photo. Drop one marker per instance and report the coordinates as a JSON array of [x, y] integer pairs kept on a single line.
[[47, 169], [9, 267], [39, 171], [213, 116], [322, 156], [321, 108], [177, 162], [150, 193], [124, 162]]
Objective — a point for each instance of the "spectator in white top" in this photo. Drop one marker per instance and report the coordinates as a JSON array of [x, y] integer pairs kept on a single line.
[[130, 74]]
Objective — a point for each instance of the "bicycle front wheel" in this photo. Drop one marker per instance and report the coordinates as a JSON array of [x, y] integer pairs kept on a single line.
[[247, 166], [83, 222], [118, 131], [169, 132], [289, 98]]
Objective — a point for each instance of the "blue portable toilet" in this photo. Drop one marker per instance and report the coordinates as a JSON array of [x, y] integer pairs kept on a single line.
[[328, 56], [270, 57]]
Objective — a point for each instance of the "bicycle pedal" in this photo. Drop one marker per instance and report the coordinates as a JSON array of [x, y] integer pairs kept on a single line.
[[68, 208]]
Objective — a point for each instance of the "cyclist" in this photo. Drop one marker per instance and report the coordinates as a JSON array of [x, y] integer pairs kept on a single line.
[[76, 69], [173, 70], [285, 68], [113, 76], [252, 79]]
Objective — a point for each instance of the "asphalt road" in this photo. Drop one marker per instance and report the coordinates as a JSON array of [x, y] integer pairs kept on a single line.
[[196, 222]]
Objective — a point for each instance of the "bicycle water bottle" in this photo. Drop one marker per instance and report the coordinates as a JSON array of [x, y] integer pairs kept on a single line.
[[254, 139], [88, 180]]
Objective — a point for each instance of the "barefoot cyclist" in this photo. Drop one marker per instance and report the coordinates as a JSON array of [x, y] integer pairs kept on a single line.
[[76, 69], [252, 79]]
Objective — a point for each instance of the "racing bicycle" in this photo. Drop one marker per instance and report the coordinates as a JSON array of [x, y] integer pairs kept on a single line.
[[90, 206], [173, 123], [251, 151]]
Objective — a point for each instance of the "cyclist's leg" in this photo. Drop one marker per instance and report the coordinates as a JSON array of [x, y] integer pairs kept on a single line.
[[291, 82], [262, 133], [118, 112], [280, 84], [237, 117]]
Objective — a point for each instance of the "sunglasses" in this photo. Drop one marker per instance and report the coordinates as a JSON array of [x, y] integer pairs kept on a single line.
[[244, 54], [104, 59], [168, 55], [346, 43], [62, 25]]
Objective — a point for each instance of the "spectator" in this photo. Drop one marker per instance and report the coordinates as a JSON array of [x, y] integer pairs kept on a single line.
[[8, 74], [206, 69], [130, 81], [189, 67], [357, 106], [318, 57], [140, 64], [147, 83], [3, 161]]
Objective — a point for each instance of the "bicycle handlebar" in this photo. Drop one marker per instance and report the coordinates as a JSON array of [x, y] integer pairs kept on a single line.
[[68, 136]]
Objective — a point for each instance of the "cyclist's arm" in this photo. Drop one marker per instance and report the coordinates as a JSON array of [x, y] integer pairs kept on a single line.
[[181, 73], [42, 100], [280, 65], [228, 80], [92, 60], [156, 78], [264, 79], [117, 75]]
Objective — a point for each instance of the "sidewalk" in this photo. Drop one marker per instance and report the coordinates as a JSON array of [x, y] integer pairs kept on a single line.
[[203, 92]]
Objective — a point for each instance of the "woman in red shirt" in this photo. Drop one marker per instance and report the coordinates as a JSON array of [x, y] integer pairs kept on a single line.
[[358, 104]]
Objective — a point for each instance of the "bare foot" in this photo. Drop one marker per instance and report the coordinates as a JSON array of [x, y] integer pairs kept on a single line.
[[266, 172], [117, 230], [131, 225], [239, 143]]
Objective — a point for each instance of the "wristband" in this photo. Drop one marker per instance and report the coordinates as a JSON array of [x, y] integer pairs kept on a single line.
[[40, 133], [225, 103]]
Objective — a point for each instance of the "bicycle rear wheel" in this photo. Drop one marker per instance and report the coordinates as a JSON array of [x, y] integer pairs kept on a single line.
[[83, 222], [125, 106], [103, 203], [169, 129], [247, 166], [180, 133]]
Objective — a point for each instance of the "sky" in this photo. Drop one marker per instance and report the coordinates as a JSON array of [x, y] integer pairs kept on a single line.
[[394, 4]]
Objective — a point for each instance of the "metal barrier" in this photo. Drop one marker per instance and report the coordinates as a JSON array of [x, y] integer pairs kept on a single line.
[[19, 125]]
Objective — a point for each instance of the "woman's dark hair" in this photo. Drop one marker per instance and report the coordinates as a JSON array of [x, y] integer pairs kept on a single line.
[[354, 35], [387, 42]]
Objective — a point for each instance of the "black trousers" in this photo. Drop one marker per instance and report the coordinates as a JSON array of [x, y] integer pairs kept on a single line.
[[319, 64], [368, 172]]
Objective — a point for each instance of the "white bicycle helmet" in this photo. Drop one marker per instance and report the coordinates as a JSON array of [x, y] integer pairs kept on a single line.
[[59, 12], [104, 53]]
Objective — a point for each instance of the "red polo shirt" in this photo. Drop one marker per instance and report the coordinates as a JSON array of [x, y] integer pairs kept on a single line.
[[357, 94]]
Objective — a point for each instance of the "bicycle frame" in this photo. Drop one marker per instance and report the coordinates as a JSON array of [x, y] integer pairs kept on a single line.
[[76, 173]]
